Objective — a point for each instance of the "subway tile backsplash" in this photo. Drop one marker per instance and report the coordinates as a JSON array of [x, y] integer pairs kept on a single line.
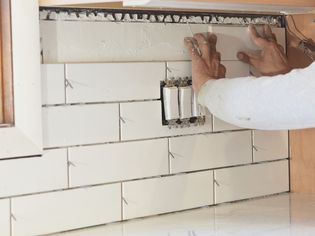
[[5, 217], [167, 194], [108, 157]]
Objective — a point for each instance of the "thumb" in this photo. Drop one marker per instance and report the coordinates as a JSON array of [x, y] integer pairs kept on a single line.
[[247, 58]]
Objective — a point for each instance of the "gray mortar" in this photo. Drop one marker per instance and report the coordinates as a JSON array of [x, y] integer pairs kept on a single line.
[[192, 18]]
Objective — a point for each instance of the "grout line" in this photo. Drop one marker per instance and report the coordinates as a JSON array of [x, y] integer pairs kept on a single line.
[[152, 138], [166, 70], [121, 202], [290, 208], [119, 121], [252, 144], [99, 103], [65, 83], [10, 215], [168, 155], [214, 189], [139, 179], [212, 122], [68, 169]]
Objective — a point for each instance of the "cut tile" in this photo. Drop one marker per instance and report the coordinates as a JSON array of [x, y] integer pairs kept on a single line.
[[118, 162], [67, 210], [245, 182], [70, 41], [33, 175], [238, 39], [199, 152], [81, 124], [144, 120], [53, 84], [5, 217], [220, 125], [167, 194], [183, 69], [106, 82], [270, 145]]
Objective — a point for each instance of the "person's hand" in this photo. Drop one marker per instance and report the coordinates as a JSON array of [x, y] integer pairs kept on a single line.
[[271, 60], [205, 59]]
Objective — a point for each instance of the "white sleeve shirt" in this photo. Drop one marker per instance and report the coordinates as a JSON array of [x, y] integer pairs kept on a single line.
[[268, 103]]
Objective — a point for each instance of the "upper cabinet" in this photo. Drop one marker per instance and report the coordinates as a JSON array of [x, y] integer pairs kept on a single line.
[[280, 6], [20, 94]]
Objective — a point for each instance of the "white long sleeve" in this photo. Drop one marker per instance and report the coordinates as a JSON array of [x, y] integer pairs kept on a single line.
[[268, 103]]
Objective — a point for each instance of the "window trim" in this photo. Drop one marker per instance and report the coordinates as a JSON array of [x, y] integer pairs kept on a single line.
[[24, 137], [6, 93]]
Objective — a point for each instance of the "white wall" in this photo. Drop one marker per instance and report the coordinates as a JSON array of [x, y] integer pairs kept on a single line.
[[107, 156]]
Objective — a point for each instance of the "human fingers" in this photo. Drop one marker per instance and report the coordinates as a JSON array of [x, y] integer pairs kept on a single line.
[[190, 45], [217, 56], [204, 46], [222, 71], [212, 42], [248, 58], [259, 41], [269, 34]]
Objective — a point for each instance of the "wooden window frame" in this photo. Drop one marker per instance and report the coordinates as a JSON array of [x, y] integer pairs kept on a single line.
[[6, 93], [22, 136]]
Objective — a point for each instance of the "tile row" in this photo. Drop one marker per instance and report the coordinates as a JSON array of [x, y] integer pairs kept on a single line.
[[102, 123], [146, 42], [112, 82], [153, 42], [227, 219], [99, 164], [77, 208]]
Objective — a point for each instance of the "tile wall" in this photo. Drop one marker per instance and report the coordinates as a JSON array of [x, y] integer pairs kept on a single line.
[[107, 156]]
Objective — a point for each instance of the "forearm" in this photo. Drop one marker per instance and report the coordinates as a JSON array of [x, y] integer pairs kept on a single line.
[[268, 103]]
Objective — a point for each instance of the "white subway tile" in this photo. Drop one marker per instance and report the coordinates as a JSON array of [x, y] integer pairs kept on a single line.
[[144, 120], [178, 69], [5, 217], [105, 82], [117, 162], [270, 145], [69, 41], [53, 84], [81, 124], [31, 175], [251, 181], [235, 69], [238, 39], [167, 194], [199, 152], [220, 125], [67, 210]]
